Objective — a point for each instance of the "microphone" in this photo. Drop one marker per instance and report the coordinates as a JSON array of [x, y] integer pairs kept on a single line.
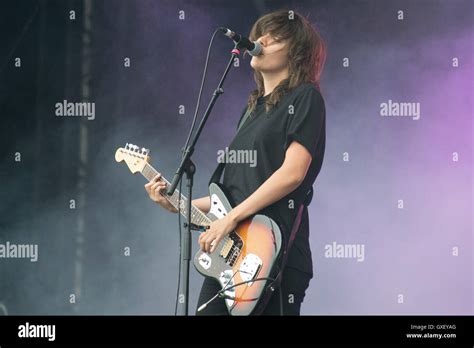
[[253, 48]]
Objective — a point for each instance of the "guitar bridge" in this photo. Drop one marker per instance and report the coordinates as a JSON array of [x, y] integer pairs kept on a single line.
[[250, 267]]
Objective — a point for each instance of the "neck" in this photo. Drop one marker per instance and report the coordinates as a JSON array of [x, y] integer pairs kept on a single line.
[[177, 200], [271, 80]]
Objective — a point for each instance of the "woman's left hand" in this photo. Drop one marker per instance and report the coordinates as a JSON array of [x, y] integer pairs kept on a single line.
[[217, 230]]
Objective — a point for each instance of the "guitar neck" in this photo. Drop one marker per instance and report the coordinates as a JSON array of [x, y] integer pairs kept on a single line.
[[177, 200]]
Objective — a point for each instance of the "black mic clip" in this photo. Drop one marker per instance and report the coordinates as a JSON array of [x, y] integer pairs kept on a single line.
[[195, 227], [253, 48]]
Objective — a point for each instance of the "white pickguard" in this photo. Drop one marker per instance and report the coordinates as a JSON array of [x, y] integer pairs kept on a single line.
[[217, 208]]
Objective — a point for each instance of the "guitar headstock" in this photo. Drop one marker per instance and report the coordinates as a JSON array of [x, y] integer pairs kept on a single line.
[[134, 156]]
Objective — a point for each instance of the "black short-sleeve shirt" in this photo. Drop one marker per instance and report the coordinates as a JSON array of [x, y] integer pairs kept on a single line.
[[299, 116]]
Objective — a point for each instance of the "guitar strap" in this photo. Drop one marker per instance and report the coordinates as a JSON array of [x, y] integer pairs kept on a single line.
[[275, 284]]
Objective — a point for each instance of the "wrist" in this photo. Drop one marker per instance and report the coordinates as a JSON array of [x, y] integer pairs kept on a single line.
[[233, 215]]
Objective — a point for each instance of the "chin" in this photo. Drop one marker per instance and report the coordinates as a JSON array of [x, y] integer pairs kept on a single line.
[[256, 64], [253, 63]]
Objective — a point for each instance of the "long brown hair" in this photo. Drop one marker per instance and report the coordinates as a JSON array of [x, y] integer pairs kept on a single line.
[[306, 53]]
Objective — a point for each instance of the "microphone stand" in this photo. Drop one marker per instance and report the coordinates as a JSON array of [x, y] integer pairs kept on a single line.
[[188, 167]]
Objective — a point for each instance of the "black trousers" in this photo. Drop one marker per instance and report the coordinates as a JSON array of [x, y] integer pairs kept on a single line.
[[293, 289]]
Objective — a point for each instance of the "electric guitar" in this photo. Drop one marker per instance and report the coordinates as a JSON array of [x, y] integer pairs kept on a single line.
[[242, 262]]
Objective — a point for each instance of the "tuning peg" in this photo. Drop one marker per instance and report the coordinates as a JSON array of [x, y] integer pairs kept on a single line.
[[147, 151], [126, 146]]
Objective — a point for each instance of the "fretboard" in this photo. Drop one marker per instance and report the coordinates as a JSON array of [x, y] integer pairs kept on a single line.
[[178, 201]]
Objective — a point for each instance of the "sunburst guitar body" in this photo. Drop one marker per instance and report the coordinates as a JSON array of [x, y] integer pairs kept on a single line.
[[243, 261]]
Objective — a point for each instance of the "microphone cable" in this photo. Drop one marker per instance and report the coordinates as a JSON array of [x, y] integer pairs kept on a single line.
[[203, 80]]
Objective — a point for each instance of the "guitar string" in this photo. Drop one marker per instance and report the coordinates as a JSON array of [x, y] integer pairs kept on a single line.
[[234, 250], [152, 172]]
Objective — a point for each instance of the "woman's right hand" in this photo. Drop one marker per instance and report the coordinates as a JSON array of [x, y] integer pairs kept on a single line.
[[154, 189]]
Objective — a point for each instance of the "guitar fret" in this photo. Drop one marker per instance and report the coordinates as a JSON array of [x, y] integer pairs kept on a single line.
[[198, 219], [176, 199]]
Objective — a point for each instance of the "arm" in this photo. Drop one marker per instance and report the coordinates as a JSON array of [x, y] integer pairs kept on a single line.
[[203, 204], [282, 182]]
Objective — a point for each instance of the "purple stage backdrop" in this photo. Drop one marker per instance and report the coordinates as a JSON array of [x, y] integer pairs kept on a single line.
[[391, 221]]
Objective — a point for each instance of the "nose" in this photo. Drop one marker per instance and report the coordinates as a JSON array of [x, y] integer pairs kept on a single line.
[[263, 40]]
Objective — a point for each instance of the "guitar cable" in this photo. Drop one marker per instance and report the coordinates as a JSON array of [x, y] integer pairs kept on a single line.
[[203, 80], [221, 293], [280, 293], [216, 295]]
